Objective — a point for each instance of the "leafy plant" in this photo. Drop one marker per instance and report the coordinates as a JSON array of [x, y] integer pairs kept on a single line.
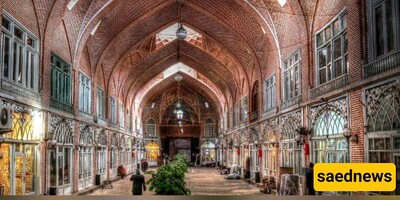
[[170, 178]]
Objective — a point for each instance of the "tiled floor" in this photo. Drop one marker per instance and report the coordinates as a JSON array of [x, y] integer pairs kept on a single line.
[[201, 181]]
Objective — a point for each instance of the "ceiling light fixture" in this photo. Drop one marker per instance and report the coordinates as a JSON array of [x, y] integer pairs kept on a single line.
[[178, 77], [181, 33]]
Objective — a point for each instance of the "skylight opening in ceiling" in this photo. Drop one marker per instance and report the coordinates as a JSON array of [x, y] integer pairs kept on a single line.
[[169, 34], [180, 67]]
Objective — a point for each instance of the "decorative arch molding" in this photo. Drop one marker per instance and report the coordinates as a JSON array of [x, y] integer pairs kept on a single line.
[[254, 134], [269, 133], [290, 122], [101, 137], [22, 125], [338, 106], [61, 129], [245, 137], [383, 107], [114, 140], [86, 133]]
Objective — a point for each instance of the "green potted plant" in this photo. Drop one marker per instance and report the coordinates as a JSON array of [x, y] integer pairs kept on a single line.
[[170, 178]]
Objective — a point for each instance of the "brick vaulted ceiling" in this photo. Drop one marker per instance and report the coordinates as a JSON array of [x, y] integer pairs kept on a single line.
[[238, 38]]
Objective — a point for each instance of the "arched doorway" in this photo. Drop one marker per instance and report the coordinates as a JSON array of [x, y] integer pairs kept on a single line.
[[152, 151], [61, 158], [207, 153], [85, 152]]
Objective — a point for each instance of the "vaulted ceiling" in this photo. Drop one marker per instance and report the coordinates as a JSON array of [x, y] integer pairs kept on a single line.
[[237, 42]]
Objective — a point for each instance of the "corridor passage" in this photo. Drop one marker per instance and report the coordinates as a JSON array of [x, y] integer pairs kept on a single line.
[[201, 181], [208, 181]]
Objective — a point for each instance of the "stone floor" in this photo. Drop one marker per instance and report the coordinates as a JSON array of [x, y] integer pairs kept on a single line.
[[201, 181]]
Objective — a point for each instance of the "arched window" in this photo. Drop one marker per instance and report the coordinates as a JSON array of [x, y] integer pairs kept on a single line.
[[208, 128], [102, 153], [254, 99], [151, 128], [334, 149], [329, 123], [85, 158], [113, 155], [61, 155]]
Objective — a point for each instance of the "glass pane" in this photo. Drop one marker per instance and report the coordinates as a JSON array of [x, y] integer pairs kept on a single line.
[[32, 62], [371, 144], [67, 166], [5, 23], [373, 157], [6, 56], [30, 41], [19, 174], [336, 27], [21, 64], [322, 76], [385, 157], [320, 38], [337, 48], [379, 144], [379, 43], [344, 21], [5, 168], [30, 168], [390, 25], [338, 68], [18, 33], [15, 60], [328, 33], [329, 72], [60, 170], [328, 53], [396, 143], [322, 58], [387, 144]]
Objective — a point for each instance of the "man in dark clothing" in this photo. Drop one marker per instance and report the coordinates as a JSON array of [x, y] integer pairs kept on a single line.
[[310, 180], [138, 183]]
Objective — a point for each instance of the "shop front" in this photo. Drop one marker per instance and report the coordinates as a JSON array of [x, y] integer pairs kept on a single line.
[[152, 152], [86, 157], [328, 142], [382, 142], [208, 154], [113, 173], [101, 157], [19, 154]]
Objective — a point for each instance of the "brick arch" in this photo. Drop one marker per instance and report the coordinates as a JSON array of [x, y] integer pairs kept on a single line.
[[136, 79], [135, 55], [115, 4], [170, 83], [206, 83]]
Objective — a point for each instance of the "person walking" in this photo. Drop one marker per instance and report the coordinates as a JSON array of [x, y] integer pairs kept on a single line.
[[138, 183], [310, 180]]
